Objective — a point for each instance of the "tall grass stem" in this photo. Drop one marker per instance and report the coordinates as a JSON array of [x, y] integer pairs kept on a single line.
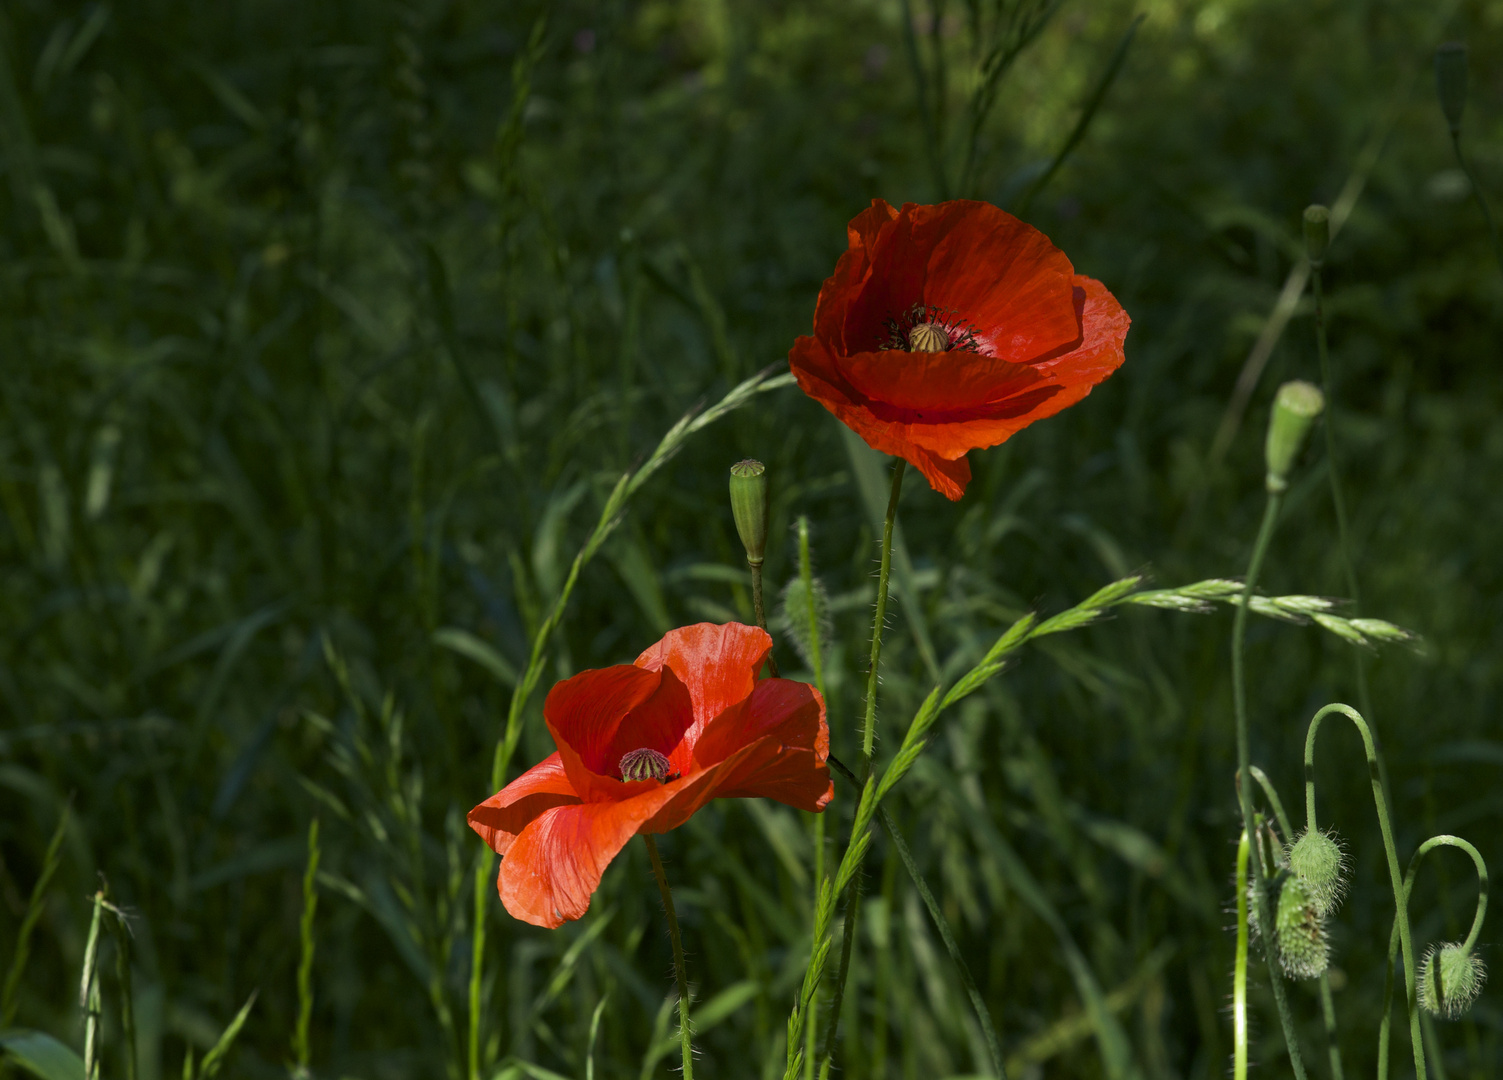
[[685, 1039]]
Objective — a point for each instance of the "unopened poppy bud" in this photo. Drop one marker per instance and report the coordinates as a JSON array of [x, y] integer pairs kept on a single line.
[[1304, 949], [749, 507], [1317, 234], [928, 337], [1316, 859], [1294, 409], [1450, 980], [1450, 82]]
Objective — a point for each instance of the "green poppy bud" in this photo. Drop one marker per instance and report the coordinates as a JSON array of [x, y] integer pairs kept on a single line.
[[1317, 234], [1450, 82], [806, 611], [749, 507], [1317, 860], [1450, 980], [1304, 949], [1294, 409]]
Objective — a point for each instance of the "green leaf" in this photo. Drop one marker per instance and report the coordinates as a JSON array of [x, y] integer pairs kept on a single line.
[[482, 652], [215, 1057], [42, 1055]]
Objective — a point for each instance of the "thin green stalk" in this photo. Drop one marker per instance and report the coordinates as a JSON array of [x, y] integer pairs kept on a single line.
[[1443, 840], [34, 907], [1487, 213], [1244, 753], [88, 992], [806, 575], [1239, 969], [869, 726], [1385, 825], [305, 960], [684, 1037]]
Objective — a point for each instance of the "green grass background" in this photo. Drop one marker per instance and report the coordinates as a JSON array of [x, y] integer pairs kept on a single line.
[[340, 320]]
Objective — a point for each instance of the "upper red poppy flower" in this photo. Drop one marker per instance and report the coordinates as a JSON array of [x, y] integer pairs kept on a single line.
[[952, 327], [641, 747]]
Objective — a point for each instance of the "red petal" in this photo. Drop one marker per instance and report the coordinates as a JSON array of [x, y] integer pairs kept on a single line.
[[718, 664], [500, 818], [851, 271], [792, 712], [584, 714], [554, 866]]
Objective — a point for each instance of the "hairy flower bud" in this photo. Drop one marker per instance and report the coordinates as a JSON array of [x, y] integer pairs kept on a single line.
[[749, 507], [1450, 979], [806, 611], [1294, 409], [1304, 949], [1450, 82], [1317, 860], [1317, 234]]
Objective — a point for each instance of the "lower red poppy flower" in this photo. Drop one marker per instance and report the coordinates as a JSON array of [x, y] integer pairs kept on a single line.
[[641, 747], [952, 327]]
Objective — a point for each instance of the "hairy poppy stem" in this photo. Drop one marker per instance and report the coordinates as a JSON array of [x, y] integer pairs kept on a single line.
[[1239, 969], [684, 1040], [869, 726], [1244, 791]]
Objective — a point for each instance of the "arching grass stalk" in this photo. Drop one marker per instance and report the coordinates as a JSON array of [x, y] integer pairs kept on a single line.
[[685, 1039], [868, 739], [1239, 967], [1443, 840], [610, 515], [1385, 825], [1239, 702], [1327, 1004]]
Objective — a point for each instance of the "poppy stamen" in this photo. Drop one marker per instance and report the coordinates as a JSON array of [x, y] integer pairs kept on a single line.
[[930, 329], [645, 764]]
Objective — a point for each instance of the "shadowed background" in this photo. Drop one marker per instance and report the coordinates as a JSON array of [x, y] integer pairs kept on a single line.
[[339, 321]]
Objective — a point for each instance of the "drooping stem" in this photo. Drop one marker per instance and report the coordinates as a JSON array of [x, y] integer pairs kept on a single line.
[[1239, 969], [869, 725], [1385, 825], [1444, 840], [1244, 753], [684, 1037]]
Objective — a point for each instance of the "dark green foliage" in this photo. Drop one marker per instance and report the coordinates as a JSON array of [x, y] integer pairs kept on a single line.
[[326, 330]]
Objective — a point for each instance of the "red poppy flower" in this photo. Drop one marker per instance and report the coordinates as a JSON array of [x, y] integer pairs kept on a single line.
[[641, 747], [952, 327]]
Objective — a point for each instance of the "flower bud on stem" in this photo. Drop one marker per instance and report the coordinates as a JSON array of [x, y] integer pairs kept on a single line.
[[1294, 409], [749, 508]]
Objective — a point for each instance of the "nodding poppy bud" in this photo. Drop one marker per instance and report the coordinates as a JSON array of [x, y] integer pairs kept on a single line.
[[1294, 409], [1319, 863], [1304, 949], [1450, 82], [1450, 980], [749, 507], [1317, 234]]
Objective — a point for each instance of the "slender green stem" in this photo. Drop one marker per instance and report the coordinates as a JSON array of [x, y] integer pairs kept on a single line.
[[127, 999], [684, 1038], [869, 726], [1328, 1015], [1487, 213], [1274, 802], [1385, 825], [1239, 969], [1244, 753], [759, 610], [305, 961], [806, 575], [837, 993], [88, 994], [1443, 840]]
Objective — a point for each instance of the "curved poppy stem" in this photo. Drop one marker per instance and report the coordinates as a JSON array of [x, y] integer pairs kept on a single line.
[[684, 1038], [1444, 840], [869, 725], [1244, 791]]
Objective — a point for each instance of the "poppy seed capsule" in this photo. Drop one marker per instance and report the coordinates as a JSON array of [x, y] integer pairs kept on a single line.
[[928, 337], [749, 507], [1450, 82], [1304, 950], [1450, 980], [1294, 409], [644, 764], [1317, 234], [1316, 859]]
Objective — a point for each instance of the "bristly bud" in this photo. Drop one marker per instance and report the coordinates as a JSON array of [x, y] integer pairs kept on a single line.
[[797, 615], [1317, 860], [1317, 234], [1294, 409], [1450, 979], [749, 507], [1304, 949], [1450, 82]]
